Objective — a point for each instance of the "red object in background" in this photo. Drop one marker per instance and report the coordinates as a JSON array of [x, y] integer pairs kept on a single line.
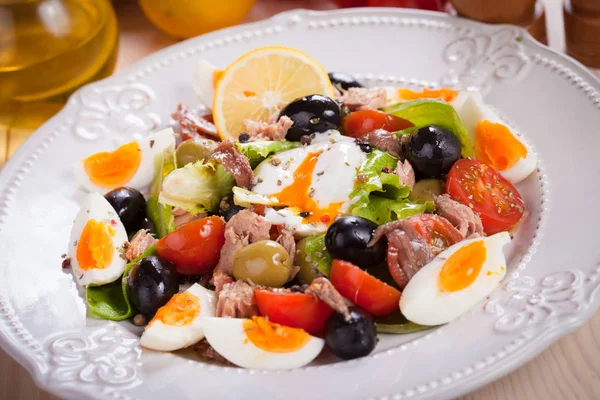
[[435, 5]]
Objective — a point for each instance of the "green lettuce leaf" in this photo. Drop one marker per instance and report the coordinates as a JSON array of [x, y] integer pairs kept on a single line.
[[161, 214], [381, 210], [111, 301], [197, 187], [424, 112], [382, 197], [319, 256], [397, 324], [258, 151]]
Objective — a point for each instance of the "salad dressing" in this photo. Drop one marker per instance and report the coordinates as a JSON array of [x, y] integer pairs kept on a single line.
[[49, 48]]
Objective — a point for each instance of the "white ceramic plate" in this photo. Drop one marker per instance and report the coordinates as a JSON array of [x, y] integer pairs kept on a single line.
[[554, 261]]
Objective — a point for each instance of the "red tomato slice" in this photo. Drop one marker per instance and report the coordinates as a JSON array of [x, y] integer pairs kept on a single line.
[[481, 187], [297, 310], [361, 122], [195, 247], [363, 289]]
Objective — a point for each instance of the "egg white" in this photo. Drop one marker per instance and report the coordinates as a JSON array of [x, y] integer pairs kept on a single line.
[[423, 300], [96, 207], [473, 110], [333, 178], [163, 337], [203, 82], [227, 337], [150, 147]]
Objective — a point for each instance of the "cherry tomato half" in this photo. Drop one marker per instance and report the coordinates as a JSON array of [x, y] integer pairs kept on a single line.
[[481, 187], [297, 310], [195, 247], [361, 122], [363, 289]]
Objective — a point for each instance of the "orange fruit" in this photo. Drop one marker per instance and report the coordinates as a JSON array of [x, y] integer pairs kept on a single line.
[[187, 18]]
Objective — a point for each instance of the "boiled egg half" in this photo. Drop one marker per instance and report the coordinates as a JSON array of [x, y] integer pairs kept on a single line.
[[313, 183], [130, 165], [180, 322], [455, 280], [96, 244], [496, 144], [258, 343]]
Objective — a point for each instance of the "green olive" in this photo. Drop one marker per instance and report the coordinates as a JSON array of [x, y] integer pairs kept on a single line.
[[193, 150], [426, 189], [308, 265], [265, 263]]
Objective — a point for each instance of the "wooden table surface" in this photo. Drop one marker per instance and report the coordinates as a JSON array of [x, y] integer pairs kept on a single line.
[[569, 369]]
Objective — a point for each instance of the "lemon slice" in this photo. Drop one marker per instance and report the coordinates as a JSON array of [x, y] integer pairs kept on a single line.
[[260, 83]]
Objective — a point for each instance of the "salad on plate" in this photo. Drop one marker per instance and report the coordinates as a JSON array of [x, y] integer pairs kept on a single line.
[[298, 210]]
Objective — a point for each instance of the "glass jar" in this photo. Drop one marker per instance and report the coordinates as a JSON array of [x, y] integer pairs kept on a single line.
[[49, 48]]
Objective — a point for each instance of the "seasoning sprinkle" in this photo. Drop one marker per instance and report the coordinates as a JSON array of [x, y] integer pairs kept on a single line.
[[139, 320], [275, 161]]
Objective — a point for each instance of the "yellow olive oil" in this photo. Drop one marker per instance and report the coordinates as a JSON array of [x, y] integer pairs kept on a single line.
[[49, 48]]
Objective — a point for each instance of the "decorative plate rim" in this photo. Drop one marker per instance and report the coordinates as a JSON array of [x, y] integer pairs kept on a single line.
[[37, 142]]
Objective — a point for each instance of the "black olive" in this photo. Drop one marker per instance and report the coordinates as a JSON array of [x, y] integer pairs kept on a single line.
[[130, 205], [148, 226], [311, 114], [151, 283], [227, 207], [350, 339], [244, 137], [347, 239], [432, 151], [365, 147], [343, 80]]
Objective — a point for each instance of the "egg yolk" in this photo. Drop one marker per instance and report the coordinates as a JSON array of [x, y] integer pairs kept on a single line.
[[273, 337], [444, 94], [95, 247], [299, 195], [179, 311], [496, 146], [116, 168], [462, 268]]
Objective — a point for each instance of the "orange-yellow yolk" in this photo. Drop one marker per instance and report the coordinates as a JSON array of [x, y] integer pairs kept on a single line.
[[496, 146], [95, 247], [444, 94], [179, 311], [273, 337], [298, 194], [462, 268], [116, 168]]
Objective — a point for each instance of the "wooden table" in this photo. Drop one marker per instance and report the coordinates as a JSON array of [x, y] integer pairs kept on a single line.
[[569, 369]]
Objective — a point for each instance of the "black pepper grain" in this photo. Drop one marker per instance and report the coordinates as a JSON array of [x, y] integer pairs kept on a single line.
[[244, 137]]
